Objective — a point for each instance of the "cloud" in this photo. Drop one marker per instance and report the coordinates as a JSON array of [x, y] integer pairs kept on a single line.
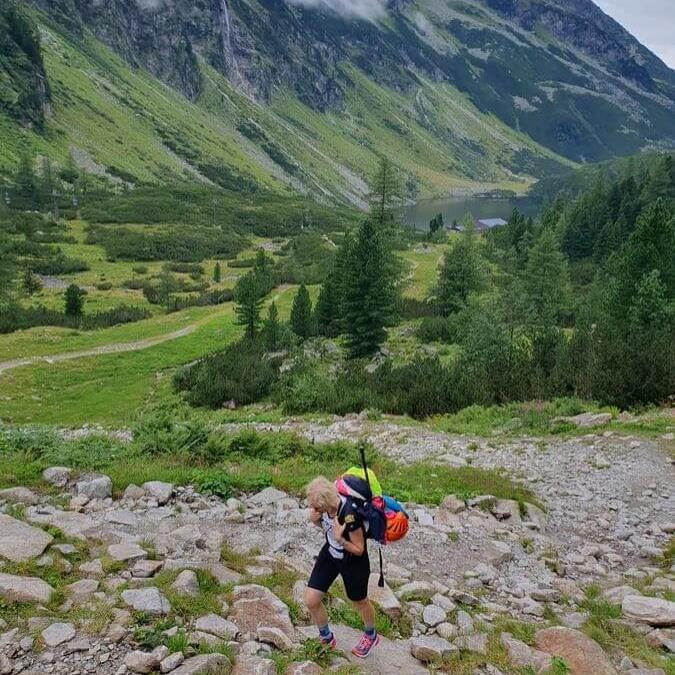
[[369, 10]]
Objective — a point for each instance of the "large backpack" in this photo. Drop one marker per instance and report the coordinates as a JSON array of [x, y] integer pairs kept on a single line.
[[387, 521]]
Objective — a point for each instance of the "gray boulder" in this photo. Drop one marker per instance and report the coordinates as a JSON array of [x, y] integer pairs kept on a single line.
[[147, 600], [162, 492], [24, 589], [653, 611], [19, 541], [57, 476], [204, 664], [58, 633], [431, 649], [94, 486], [19, 495]]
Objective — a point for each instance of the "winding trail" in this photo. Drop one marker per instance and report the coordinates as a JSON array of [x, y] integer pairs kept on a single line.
[[114, 348]]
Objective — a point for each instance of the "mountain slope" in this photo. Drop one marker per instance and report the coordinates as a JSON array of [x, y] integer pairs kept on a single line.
[[463, 94]]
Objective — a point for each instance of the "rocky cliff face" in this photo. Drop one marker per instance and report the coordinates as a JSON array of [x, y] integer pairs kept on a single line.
[[564, 72], [24, 90]]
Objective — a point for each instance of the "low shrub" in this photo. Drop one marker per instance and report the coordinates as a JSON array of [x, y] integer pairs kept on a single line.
[[241, 374], [14, 317]]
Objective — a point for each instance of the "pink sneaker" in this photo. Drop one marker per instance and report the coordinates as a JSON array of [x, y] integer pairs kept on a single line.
[[328, 643], [365, 646]]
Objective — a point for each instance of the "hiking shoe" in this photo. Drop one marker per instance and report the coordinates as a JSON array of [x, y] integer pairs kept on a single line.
[[365, 646], [328, 643]]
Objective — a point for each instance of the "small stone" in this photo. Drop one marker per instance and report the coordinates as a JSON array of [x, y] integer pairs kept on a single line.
[[143, 569], [125, 552], [216, 625], [186, 583], [581, 654], [57, 476], [94, 486], [453, 504], [148, 600], [433, 615], [204, 664], [171, 662], [274, 636], [24, 589], [431, 649], [19, 495], [93, 568], [58, 633], [267, 496], [141, 662], [653, 611], [19, 541], [160, 491], [447, 630], [473, 643], [133, 493]]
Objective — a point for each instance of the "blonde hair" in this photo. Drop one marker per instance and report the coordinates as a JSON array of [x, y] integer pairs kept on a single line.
[[322, 495]]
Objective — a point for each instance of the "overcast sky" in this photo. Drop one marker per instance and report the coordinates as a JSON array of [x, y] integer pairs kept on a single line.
[[650, 21]]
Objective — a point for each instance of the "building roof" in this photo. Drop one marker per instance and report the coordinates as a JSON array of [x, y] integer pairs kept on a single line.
[[491, 222]]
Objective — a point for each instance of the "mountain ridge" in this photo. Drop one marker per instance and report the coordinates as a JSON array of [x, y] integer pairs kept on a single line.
[[461, 95]]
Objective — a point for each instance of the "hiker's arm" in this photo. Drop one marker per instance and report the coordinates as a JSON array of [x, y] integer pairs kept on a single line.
[[356, 544]]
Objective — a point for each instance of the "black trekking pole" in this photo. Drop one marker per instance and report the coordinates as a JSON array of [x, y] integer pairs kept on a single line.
[[362, 450]]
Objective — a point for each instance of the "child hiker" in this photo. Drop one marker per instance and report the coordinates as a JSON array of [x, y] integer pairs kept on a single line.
[[343, 554]]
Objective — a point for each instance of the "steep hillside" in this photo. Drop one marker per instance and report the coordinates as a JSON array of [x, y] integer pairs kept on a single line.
[[460, 94]]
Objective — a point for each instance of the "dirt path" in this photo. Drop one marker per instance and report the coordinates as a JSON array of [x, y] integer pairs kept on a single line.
[[113, 348]]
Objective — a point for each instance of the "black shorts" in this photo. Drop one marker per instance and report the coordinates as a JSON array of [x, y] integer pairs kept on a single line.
[[354, 570]]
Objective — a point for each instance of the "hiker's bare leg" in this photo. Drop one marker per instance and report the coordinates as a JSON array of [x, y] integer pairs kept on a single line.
[[316, 607], [366, 612]]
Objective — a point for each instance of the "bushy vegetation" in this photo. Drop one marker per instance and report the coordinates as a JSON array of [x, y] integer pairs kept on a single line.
[[15, 317], [170, 242], [240, 374], [167, 446]]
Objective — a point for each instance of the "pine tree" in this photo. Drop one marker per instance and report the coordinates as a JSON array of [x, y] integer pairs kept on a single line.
[[461, 272], [368, 298], [301, 313], [216, 273], [167, 286], [436, 224], [385, 192], [47, 180], [7, 265], [546, 280], [272, 328], [262, 268], [74, 300], [329, 310], [70, 172], [25, 177], [31, 284], [248, 303]]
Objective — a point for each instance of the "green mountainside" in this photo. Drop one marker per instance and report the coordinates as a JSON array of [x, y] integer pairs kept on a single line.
[[251, 94]]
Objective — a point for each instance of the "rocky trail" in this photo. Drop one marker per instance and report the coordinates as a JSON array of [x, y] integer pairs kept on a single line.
[[463, 571]]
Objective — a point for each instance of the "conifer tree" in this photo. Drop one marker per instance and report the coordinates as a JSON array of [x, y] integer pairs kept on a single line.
[[216, 273], [31, 284], [25, 177], [368, 296], [74, 300], [546, 281], [272, 328], [301, 313], [385, 192], [460, 274], [248, 303]]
